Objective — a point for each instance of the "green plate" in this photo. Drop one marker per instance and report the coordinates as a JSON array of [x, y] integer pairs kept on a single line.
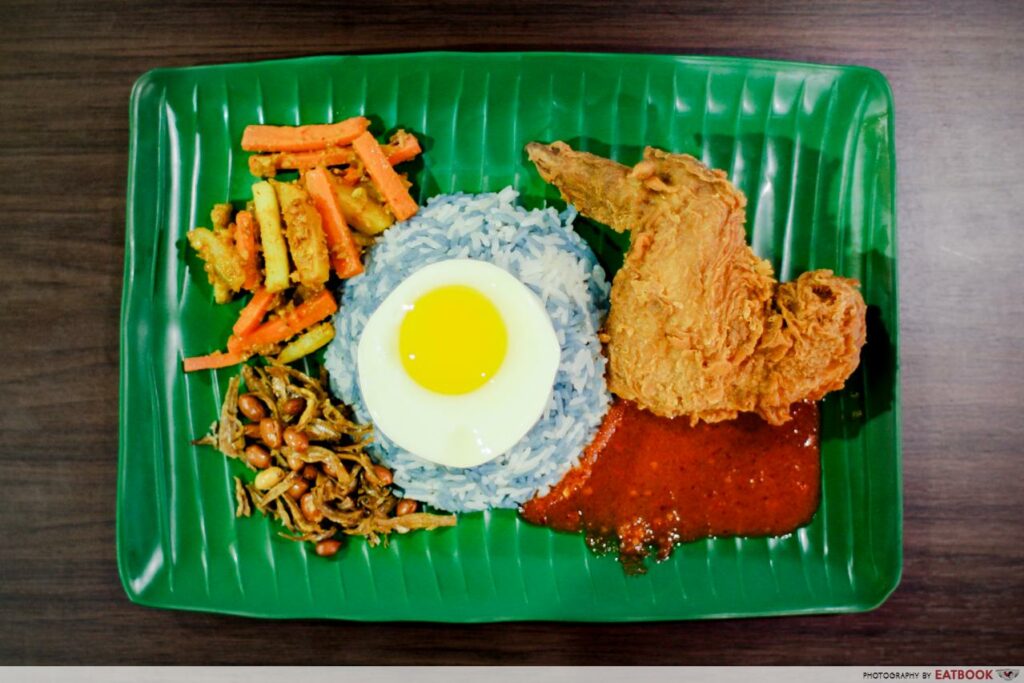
[[812, 148]]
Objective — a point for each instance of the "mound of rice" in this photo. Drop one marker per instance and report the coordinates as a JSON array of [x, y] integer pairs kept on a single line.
[[541, 249]]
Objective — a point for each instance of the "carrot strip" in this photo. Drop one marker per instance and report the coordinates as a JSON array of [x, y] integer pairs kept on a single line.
[[217, 359], [270, 332], [266, 165], [384, 178], [254, 312], [277, 330], [259, 138], [245, 245], [312, 311], [303, 161], [402, 147], [344, 250]]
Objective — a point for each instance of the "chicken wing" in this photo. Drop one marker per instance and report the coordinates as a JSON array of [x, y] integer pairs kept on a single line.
[[698, 324]]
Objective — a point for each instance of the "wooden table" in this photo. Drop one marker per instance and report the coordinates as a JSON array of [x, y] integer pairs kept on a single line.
[[66, 69]]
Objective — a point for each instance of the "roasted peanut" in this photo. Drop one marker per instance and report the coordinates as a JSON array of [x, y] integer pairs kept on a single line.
[[252, 430], [252, 407], [309, 472], [257, 456], [269, 478], [295, 462], [328, 547], [309, 509], [406, 507], [330, 469], [298, 489], [270, 432], [293, 406], [383, 475], [296, 440]]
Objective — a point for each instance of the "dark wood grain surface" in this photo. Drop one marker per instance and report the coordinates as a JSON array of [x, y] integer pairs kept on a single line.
[[66, 69]]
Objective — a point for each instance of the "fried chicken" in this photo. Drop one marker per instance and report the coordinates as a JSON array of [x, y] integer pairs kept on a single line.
[[698, 324]]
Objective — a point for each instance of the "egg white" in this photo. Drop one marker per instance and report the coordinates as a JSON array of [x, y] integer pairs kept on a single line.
[[464, 430]]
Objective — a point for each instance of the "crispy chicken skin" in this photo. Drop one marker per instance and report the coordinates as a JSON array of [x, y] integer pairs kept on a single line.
[[698, 324]]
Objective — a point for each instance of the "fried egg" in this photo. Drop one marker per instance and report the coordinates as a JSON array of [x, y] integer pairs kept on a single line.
[[458, 362]]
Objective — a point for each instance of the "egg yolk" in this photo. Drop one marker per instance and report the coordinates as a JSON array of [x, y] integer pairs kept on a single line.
[[452, 340]]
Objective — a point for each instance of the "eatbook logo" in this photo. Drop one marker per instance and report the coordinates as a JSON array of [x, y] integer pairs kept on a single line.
[[1007, 674]]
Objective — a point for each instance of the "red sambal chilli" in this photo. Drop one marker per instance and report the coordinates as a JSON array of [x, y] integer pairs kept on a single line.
[[648, 483]]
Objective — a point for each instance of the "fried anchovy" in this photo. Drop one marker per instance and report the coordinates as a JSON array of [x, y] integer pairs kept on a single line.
[[242, 507], [345, 492]]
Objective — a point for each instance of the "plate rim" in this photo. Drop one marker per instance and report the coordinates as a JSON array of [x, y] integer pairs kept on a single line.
[[874, 77]]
